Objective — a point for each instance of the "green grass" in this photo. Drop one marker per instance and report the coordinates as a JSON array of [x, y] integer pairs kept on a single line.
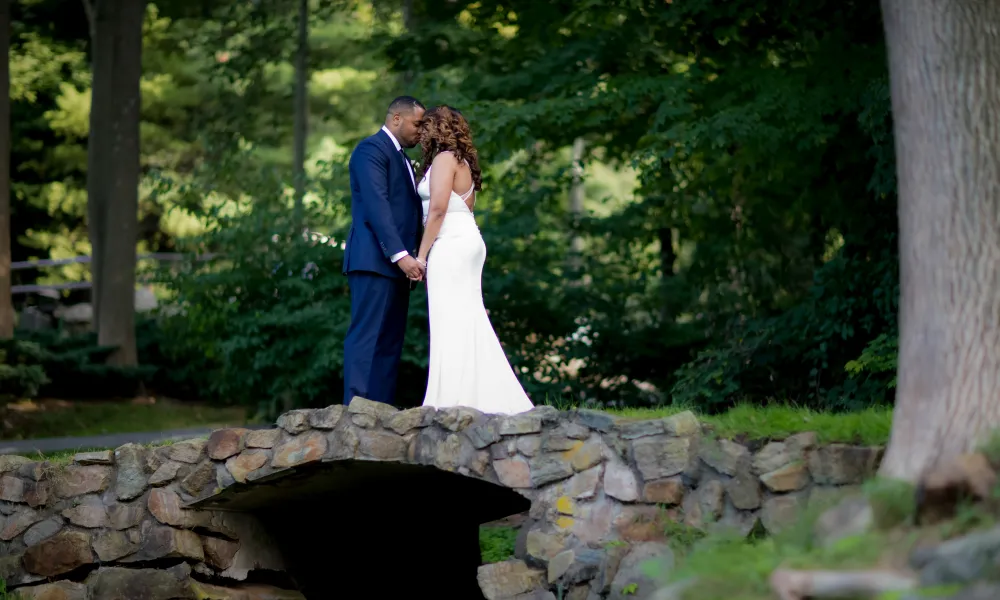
[[99, 418], [870, 426], [496, 543]]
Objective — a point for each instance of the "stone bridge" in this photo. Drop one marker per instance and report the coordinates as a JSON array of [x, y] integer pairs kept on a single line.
[[366, 501]]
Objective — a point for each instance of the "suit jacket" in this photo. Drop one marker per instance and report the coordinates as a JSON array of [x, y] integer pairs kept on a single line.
[[385, 208]]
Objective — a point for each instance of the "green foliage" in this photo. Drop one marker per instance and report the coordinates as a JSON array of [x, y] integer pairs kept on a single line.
[[496, 544], [75, 367], [7, 595], [21, 374]]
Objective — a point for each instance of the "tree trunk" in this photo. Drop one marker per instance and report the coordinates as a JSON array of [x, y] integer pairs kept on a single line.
[[945, 76], [114, 180], [667, 259], [102, 71], [409, 25], [301, 111], [6, 301]]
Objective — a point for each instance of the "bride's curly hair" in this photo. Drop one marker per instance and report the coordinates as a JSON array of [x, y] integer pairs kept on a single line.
[[444, 129]]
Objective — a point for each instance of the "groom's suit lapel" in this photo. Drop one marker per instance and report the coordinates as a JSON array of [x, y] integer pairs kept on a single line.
[[389, 148]]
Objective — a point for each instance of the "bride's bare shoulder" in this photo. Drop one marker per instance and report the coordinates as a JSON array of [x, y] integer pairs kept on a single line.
[[445, 159]]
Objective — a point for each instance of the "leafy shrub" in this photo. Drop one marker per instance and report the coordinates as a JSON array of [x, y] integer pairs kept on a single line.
[[497, 543], [21, 374]]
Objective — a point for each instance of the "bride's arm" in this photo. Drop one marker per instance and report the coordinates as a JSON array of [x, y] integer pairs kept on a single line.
[[441, 184]]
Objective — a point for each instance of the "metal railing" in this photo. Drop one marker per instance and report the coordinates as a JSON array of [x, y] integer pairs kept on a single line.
[[82, 285]]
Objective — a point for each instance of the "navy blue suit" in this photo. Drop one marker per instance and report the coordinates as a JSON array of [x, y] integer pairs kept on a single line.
[[385, 214]]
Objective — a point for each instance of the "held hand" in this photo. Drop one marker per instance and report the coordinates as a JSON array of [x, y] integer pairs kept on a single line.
[[411, 268]]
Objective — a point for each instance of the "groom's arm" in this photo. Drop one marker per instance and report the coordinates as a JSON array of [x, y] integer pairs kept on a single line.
[[372, 171]]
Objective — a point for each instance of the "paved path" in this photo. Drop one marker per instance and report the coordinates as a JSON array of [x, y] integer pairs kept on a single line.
[[112, 440]]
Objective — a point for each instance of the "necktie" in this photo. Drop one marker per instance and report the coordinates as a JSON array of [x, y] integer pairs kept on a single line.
[[409, 168]]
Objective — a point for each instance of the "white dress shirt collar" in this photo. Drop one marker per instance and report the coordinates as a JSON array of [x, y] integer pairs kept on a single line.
[[395, 142]]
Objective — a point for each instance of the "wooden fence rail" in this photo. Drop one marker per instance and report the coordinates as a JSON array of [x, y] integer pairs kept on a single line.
[[83, 285]]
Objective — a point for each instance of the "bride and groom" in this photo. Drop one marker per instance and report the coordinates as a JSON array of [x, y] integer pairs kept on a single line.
[[395, 212]]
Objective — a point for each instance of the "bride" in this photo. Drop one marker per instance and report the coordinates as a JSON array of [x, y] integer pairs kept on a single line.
[[468, 366]]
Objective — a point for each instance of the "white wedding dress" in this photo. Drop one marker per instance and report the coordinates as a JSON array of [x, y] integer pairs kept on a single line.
[[468, 366]]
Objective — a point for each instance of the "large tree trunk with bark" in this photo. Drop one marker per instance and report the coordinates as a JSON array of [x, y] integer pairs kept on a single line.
[[6, 302], [113, 170], [944, 64], [301, 110]]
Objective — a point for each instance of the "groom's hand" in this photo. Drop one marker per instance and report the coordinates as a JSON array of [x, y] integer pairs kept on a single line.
[[411, 267]]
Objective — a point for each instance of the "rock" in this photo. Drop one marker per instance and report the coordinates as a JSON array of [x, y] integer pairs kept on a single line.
[[199, 479], [943, 487], [556, 442], [839, 464], [262, 438], [246, 462], [58, 590], [17, 523], [520, 424], [130, 482], [223, 443], [293, 421], [659, 457], [364, 421], [682, 424], [99, 457], [582, 485], [117, 583], [11, 489], [631, 582], [305, 448], [326, 418], [596, 420], [42, 530], [410, 419], [165, 473], [639, 523], [630, 430], [780, 511], [559, 564], [219, 553], [548, 468], [771, 457], [457, 418], [165, 506], [593, 521], [123, 516], [740, 522], [36, 493], [59, 554], [513, 472], [586, 564], [711, 499], [789, 478], [111, 545], [89, 513], [543, 545], [723, 455], [529, 445], [188, 451], [160, 541], [959, 561], [799, 443], [243, 592], [10, 462], [664, 491], [379, 412], [584, 455], [381, 445], [503, 580], [620, 482], [34, 471], [574, 431], [484, 434]]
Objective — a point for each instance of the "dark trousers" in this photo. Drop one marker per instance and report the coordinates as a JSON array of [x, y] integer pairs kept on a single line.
[[374, 341]]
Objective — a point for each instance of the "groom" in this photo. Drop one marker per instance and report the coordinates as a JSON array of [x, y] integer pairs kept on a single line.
[[379, 257]]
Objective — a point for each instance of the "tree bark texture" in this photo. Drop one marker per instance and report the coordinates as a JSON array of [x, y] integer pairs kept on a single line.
[[6, 301], [113, 171], [944, 64]]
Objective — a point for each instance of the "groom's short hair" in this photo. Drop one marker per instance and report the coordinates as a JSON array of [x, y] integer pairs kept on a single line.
[[404, 104]]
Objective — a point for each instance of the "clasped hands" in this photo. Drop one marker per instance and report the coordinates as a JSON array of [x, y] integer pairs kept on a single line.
[[414, 268]]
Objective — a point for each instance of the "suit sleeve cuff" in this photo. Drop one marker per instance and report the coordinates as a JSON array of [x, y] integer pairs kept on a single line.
[[395, 257]]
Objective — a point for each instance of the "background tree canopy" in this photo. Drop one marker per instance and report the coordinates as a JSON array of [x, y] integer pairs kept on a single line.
[[736, 239]]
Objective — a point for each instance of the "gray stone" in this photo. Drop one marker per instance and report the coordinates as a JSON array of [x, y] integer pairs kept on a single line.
[[412, 418], [771, 457], [620, 482], [789, 478], [852, 516], [174, 583], [326, 418], [382, 445], [57, 590], [293, 421], [659, 457], [631, 430], [262, 438], [723, 455], [10, 462], [188, 451], [89, 512], [682, 424], [100, 457], [17, 523], [799, 443], [744, 489], [505, 580], [779, 512], [631, 581], [131, 476], [521, 424], [548, 468], [381, 411], [529, 445], [959, 561], [596, 420], [573, 430], [559, 564], [839, 464], [166, 473], [111, 545], [457, 418], [484, 434], [42, 530]]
